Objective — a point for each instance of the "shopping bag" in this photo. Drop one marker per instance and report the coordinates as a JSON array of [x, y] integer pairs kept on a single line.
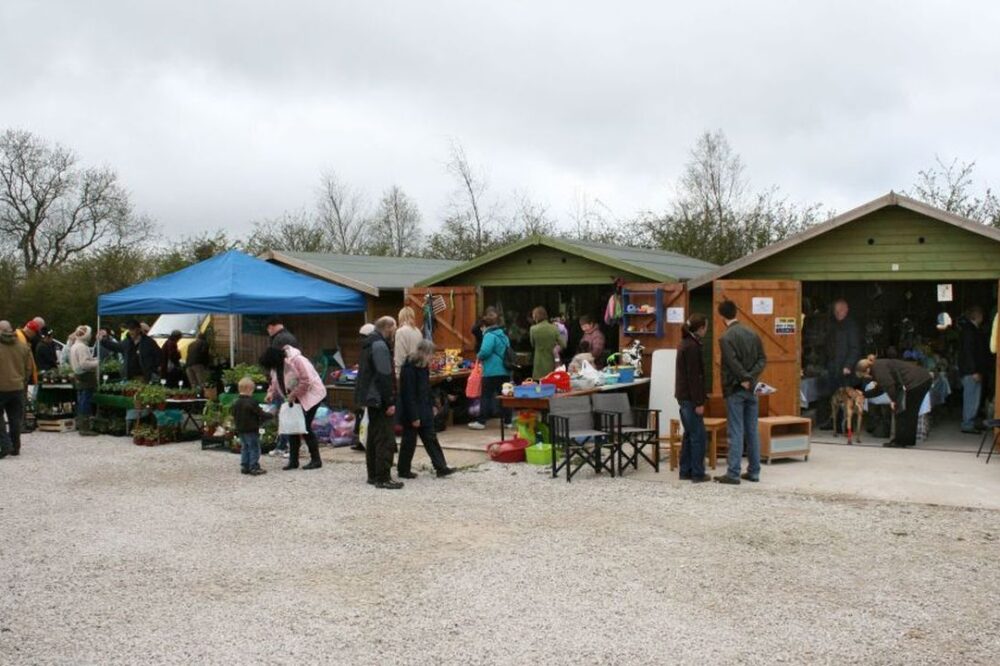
[[363, 429], [291, 420], [474, 386], [592, 374]]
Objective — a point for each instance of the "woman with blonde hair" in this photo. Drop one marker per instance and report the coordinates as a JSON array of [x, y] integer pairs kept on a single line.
[[408, 336], [905, 384], [84, 364]]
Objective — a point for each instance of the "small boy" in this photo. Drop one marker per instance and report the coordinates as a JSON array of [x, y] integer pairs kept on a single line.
[[248, 416]]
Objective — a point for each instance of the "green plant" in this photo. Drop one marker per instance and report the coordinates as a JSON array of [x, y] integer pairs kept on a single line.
[[233, 375], [151, 395], [111, 366]]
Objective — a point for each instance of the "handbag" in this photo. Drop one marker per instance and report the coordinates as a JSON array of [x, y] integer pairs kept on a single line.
[[291, 419], [474, 386]]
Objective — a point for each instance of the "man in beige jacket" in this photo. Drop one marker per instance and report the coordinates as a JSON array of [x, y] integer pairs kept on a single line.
[[16, 366]]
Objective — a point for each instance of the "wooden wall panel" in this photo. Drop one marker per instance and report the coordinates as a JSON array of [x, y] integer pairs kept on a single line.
[[453, 326], [783, 370]]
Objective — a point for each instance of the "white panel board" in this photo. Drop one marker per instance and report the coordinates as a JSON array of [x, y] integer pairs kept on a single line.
[[661, 388]]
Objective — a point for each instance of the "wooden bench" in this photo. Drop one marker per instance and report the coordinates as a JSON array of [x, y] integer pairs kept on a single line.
[[715, 430]]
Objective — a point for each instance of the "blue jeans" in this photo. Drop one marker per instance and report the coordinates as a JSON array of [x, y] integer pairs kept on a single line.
[[249, 450], [741, 423], [489, 399], [972, 392], [85, 402], [693, 444]]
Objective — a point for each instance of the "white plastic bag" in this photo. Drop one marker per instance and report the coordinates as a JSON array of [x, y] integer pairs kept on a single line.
[[363, 429], [291, 420], [591, 374]]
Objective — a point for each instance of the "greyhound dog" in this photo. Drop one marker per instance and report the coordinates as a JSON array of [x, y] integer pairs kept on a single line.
[[851, 401]]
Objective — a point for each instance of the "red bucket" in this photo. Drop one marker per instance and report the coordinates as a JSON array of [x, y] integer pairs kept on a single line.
[[508, 451]]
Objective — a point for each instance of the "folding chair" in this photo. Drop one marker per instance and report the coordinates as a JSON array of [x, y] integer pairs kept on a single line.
[[636, 428], [571, 425], [992, 427]]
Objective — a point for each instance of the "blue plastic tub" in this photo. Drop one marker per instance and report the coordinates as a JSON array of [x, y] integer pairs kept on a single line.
[[534, 391], [626, 374]]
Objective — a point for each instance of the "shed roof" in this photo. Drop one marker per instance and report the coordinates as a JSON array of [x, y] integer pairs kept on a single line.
[[890, 199], [654, 265], [368, 274]]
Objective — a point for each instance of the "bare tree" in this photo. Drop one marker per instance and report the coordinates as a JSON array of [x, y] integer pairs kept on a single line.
[[532, 218], [291, 231], [715, 216], [342, 212], [51, 209], [397, 225], [950, 187], [468, 200]]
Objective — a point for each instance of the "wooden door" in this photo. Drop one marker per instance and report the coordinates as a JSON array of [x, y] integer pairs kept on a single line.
[[675, 295], [453, 324], [773, 310], [995, 347]]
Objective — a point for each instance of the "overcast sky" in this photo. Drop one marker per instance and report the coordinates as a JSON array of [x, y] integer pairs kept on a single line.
[[219, 113]]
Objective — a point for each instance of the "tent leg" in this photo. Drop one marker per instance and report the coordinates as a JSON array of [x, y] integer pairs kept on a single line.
[[232, 340], [97, 350]]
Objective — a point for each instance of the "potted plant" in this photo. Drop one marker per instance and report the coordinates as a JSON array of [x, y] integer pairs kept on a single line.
[[232, 376], [151, 396]]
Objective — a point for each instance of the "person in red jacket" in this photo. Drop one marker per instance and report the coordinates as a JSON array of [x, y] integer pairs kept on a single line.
[[689, 389]]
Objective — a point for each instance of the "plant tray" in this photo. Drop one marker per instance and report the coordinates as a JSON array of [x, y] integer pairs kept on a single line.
[[56, 425], [221, 443]]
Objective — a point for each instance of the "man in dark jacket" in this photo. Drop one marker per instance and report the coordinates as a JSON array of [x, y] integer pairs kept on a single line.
[[280, 336], [843, 350], [974, 364], [141, 354], [46, 357], [743, 360], [374, 389], [689, 389]]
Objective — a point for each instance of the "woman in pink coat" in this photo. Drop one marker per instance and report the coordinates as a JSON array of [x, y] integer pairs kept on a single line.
[[294, 379]]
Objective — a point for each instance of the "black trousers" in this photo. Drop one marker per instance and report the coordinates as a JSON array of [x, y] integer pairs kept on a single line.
[[906, 421], [295, 441], [12, 405], [380, 446], [408, 446]]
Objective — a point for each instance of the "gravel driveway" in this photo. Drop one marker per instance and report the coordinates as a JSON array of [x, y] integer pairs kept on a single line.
[[114, 553]]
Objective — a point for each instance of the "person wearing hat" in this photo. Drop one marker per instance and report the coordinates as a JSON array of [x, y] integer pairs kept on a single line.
[[359, 413], [28, 334], [141, 354], [46, 357], [84, 364], [16, 365]]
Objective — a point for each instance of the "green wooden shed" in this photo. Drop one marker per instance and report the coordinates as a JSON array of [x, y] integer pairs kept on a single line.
[[898, 262]]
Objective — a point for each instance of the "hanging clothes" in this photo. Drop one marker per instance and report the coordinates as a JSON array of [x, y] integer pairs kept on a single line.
[[428, 329]]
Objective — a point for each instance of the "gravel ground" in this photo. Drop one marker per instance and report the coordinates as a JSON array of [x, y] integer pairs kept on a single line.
[[119, 554]]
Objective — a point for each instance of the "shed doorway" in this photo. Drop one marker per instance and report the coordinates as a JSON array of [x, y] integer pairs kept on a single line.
[[900, 319]]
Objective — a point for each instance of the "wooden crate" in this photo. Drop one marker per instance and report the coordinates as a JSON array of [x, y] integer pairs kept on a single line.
[[56, 425]]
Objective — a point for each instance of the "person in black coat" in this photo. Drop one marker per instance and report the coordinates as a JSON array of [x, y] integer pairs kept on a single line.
[[46, 357], [906, 384], [416, 413], [689, 389], [843, 349], [974, 365], [141, 354]]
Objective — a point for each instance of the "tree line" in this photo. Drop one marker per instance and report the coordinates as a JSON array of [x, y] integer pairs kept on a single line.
[[71, 232]]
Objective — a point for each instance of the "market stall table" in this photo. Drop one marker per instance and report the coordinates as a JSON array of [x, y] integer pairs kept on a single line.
[[541, 405], [341, 396]]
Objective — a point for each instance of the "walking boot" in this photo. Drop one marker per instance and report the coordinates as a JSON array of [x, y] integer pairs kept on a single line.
[[293, 457]]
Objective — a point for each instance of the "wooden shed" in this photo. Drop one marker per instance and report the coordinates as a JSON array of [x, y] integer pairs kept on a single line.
[[898, 262], [571, 278], [382, 280]]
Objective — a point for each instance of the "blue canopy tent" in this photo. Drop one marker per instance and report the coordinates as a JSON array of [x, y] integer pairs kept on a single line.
[[232, 283]]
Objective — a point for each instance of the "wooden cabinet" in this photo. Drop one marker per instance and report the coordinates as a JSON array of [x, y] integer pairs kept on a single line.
[[784, 437]]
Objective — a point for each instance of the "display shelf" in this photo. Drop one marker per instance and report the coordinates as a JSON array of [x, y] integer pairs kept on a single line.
[[658, 313]]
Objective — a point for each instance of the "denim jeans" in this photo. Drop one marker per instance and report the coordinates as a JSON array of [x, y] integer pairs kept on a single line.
[[249, 450], [489, 400], [972, 393], [741, 422], [693, 445], [85, 402]]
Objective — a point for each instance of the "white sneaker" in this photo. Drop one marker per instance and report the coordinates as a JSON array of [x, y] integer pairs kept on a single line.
[[476, 425], [284, 454]]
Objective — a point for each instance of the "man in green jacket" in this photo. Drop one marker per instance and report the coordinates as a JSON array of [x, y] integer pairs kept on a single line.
[[743, 360], [15, 368], [544, 338]]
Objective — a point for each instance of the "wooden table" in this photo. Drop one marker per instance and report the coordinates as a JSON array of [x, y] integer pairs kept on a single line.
[[341, 396], [713, 427], [541, 405]]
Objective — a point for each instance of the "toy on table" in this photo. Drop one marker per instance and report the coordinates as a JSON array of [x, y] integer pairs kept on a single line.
[[452, 359], [507, 389]]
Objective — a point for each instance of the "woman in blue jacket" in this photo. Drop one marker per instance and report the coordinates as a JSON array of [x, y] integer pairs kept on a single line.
[[416, 413], [495, 373]]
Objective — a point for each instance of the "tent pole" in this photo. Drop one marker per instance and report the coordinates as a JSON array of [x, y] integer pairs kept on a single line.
[[232, 340], [97, 349]]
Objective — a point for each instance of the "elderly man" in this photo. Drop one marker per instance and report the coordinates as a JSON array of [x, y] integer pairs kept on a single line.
[[375, 390], [15, 368], [843, 350]]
